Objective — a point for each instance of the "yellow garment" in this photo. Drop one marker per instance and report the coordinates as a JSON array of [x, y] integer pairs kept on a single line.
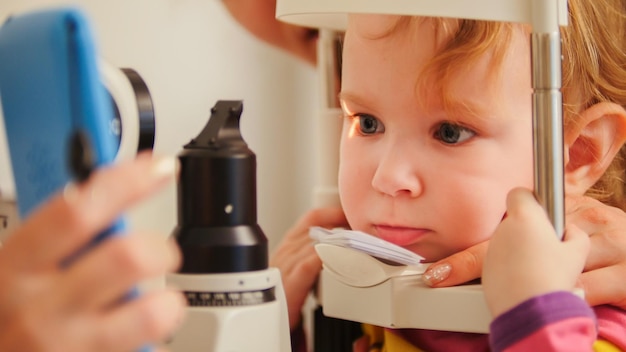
[[394, 343], [604, 346], [390, 342]]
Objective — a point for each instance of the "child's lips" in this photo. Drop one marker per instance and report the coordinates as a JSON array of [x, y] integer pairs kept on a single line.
[[401, 236]]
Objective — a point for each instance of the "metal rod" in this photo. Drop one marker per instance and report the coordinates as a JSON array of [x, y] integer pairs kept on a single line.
[[548, 125]]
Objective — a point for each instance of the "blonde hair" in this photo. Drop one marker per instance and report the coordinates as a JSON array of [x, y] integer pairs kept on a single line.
[[594, 66]]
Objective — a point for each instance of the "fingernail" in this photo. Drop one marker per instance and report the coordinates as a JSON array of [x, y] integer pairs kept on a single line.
[[70, 192], [436, 274], [164, 166]]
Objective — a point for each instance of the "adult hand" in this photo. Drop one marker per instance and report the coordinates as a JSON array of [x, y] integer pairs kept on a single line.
[[50, 304], [606, 265], [458, 268], [604, 269], [525, 258], [259, 18], [297, 260]]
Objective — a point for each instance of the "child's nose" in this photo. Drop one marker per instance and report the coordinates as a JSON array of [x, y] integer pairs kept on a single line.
[[397, 175]]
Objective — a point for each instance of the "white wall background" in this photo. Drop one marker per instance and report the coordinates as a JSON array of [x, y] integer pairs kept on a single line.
[[191, 54]]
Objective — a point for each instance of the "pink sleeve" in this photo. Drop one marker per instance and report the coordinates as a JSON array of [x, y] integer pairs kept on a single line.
[[612, 325], [558, 321]]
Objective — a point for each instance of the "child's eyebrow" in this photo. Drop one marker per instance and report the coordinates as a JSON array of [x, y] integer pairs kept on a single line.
[[344, 97], [454, 109], [457, 109]]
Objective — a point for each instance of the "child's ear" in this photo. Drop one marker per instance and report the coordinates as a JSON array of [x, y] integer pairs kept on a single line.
[[591, 143]]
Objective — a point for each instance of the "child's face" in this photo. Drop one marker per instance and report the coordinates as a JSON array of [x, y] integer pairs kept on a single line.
[[411, 173]]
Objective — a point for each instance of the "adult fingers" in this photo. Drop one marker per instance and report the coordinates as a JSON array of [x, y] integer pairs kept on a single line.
[[590, 214], [299, 266], [106, 273], [606, 249], [67, 222], [148, 319], [289, 256], [601, 287], [297, 242], [458, 268], [297, 260], [298, 282], [580, 211], [577, 241], [604, 225]]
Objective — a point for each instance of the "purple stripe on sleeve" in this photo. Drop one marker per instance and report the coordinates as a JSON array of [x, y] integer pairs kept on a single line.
[[534, 314]]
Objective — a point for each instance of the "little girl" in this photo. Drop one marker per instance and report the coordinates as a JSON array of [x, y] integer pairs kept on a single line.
[[438, 131]]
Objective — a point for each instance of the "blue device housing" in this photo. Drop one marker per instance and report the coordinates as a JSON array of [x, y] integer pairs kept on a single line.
[[50, 90]]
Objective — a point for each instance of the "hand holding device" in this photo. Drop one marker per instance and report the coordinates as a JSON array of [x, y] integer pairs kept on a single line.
[[55, 108]]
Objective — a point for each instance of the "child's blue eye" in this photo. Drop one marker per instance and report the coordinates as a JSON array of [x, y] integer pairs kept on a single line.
[[368, 124], [450, 133]]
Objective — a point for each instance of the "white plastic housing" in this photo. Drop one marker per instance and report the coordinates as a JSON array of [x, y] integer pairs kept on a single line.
[[243, 328]]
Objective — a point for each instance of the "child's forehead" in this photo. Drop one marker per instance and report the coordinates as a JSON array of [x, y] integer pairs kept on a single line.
[[448, 70], [372, 25], [375, 27], [448, 33]]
